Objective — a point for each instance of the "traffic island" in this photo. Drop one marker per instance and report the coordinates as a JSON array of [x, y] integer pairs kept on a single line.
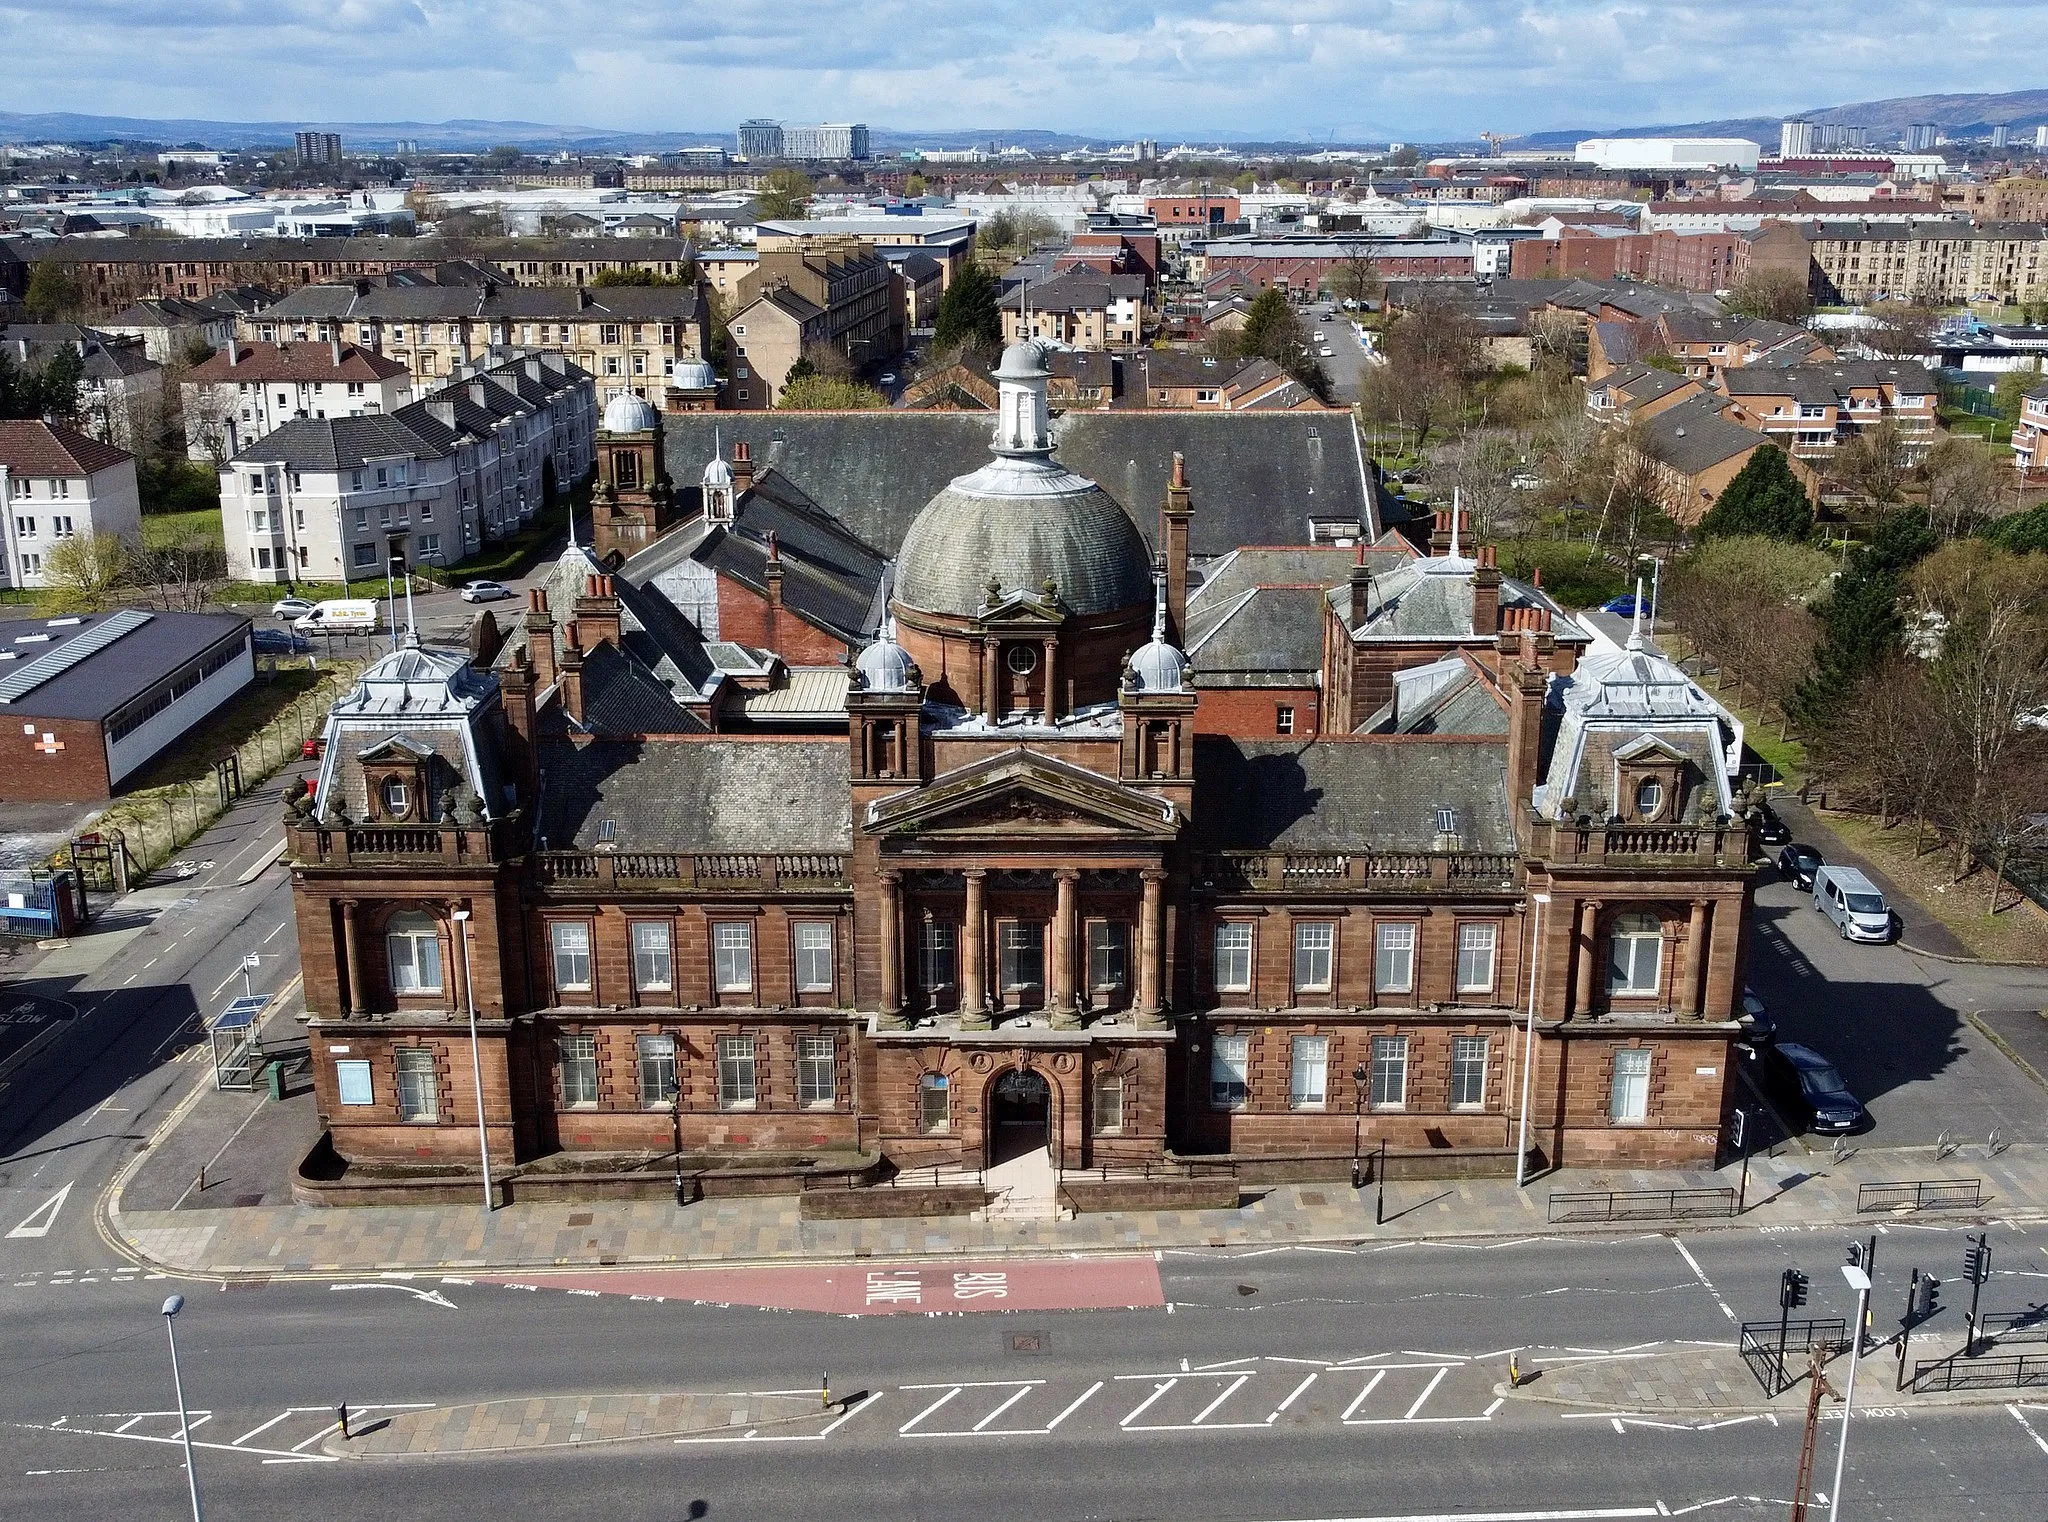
[[566, 1421]]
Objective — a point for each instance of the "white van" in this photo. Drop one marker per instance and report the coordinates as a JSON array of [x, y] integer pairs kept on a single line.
[[1852, 901], [340, 615]]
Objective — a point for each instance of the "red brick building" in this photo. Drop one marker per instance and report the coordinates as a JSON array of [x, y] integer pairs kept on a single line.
[[1014, 901]]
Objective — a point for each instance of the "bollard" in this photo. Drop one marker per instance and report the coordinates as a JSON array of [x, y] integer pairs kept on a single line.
[[202, 1178], [1514, 1372], [344, 1421], [824, 1391]]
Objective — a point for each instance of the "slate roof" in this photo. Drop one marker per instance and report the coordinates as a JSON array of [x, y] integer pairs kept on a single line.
[[295, 362], [754, 794], [1446, 697], [340, 443], [99, 684], [1643, 383], [415, 303], [1349, 794], [621, 697], [1256, 477], [30, 447], [1265, 637], [1693, 435], [308, 252]]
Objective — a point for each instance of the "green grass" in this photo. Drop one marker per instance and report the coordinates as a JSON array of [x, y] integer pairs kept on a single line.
[[160, 530], [506, 558], [228, 727]]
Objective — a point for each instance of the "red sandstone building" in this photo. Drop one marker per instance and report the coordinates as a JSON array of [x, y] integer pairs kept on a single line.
[[979, 882]]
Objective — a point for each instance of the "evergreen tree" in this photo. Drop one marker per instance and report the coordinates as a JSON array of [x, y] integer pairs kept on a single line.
[[1861, 622], [2018, 532], [967, 315], [1764, 498], [1274, 330]]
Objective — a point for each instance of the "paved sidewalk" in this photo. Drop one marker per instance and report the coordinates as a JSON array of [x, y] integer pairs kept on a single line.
[[559, 1421], [1714, 1381], [1794, 1189]]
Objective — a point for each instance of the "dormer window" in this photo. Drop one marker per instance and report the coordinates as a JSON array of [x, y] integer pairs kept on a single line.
[[1649, 798]]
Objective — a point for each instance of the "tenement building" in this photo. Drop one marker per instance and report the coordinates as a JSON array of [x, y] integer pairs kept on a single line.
[[953, 875]]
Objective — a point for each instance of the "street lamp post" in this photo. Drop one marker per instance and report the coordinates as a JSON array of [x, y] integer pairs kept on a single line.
[[1859, 1281], [476, 1060], [171, 1308], [1529, 1038], [1358, 1077]]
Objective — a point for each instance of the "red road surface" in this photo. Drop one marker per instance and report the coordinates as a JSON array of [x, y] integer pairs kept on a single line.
[[876, 1289]]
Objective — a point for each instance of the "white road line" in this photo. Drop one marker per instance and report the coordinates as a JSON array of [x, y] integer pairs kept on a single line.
[[1370, 1386], [273, 934], [1021, 1393], [330, 1428], [281, 1416], [928, 1410], [1207, 1411], [847, 1415], [956, 1384], [223, 983], [1076, 1406], [146, 1437], [1292, 1397], [1427, 1391], [37, 1222], [2019, 1417], [1157, 1391], [1693, 1263], [1576, 1514]]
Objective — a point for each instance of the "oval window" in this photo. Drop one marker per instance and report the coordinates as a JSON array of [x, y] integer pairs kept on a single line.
[[1649, 798], [395, 798], [1023, 659]]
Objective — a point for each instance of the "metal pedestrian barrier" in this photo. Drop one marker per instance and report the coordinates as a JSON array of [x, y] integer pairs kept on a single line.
[[2030, 1325], [1640, 1204], [1958, 1373], [1921, 1194], [1771, 1347]]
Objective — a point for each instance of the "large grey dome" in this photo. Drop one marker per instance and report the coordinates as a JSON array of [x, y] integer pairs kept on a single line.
[[1020, 521]]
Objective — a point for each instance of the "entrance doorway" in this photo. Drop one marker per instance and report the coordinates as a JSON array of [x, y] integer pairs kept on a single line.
[[1020, 1115]]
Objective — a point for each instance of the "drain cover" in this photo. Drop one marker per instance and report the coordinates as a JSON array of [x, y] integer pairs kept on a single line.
[[1027, 1342]]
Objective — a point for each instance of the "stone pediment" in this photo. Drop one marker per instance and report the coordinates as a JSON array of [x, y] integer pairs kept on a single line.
[[1022, 794]]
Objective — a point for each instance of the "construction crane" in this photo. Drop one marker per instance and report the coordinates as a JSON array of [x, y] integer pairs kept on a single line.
[[1493, 140]]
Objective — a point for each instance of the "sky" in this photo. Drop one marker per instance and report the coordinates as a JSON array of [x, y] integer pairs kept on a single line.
[[1313, 70]]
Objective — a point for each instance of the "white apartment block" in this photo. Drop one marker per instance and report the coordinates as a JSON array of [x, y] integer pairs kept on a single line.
[[340, 498], [58, 483], [248, 389]]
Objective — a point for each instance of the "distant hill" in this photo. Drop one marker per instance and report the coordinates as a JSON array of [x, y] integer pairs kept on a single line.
[[1960, 114]]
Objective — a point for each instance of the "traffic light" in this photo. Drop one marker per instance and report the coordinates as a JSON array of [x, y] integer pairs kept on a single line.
[[1929, 1300], [1791, 1290], [1977, 1262], [1856, 1254]]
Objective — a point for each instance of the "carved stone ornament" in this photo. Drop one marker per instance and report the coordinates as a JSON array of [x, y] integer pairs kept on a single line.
[[980, 1062], [1064, 1062]]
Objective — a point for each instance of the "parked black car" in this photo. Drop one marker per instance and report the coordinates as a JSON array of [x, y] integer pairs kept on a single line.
[[1797, 864], [1758, 1028], [1770, 829], [278, 642], [1810, 1089]]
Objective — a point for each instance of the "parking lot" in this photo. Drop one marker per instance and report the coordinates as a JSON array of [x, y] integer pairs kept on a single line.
[[1897, 1026]]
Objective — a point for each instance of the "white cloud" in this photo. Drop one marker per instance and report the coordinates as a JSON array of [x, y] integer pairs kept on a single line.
[[1295, 68]]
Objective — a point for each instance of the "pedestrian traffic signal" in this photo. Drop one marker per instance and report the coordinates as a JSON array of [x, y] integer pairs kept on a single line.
[[1929, 1298], [1791, 1290]]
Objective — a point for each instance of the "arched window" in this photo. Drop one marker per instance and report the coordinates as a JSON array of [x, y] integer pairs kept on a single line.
[[932, 1111], [1635, 954], [412, 942]]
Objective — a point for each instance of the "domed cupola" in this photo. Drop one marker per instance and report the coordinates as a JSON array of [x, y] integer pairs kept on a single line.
[[1021, 519], [627, 413], [885, 666], [1157, 666]]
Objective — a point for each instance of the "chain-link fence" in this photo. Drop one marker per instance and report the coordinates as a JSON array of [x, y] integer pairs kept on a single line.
[[156, 825]]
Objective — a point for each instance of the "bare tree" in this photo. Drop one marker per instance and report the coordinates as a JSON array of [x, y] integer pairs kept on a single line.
[[1899, 328], [184, 577], [1482, 467], [1964, 481], [1875, 464]]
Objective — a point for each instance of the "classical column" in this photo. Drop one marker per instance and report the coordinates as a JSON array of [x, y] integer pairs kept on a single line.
[[1052, 682], [1151, 949], [1695, 993], [892, 949], [973, 941], [1066, 1015], [352, 957], [457, 974], [991, 674], [1588, 938]]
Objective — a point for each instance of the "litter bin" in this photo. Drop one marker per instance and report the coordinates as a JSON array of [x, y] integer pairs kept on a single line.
[[274, 1075]]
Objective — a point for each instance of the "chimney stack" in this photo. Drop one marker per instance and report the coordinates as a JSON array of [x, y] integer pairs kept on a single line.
[[742, 469], [1440, 535], [516, 683], [1174, 521], [540, 638], [571, 677], [336, 342], [234, 355], [1486, 595], [597, 613]]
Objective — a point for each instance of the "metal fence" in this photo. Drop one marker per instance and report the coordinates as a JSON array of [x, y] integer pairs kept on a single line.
[[1921, 1194], [1768, 1347], [2030, 1325], [1959, 1373], [1641, 1204]]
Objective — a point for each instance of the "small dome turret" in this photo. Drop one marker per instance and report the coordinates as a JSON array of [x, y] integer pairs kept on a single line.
[[1157, 666], [885, 666], [627, 413]]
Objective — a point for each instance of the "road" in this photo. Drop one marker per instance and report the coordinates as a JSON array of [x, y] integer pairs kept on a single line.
[[1281, 1384], [1346, 360], [1286, 1384]]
